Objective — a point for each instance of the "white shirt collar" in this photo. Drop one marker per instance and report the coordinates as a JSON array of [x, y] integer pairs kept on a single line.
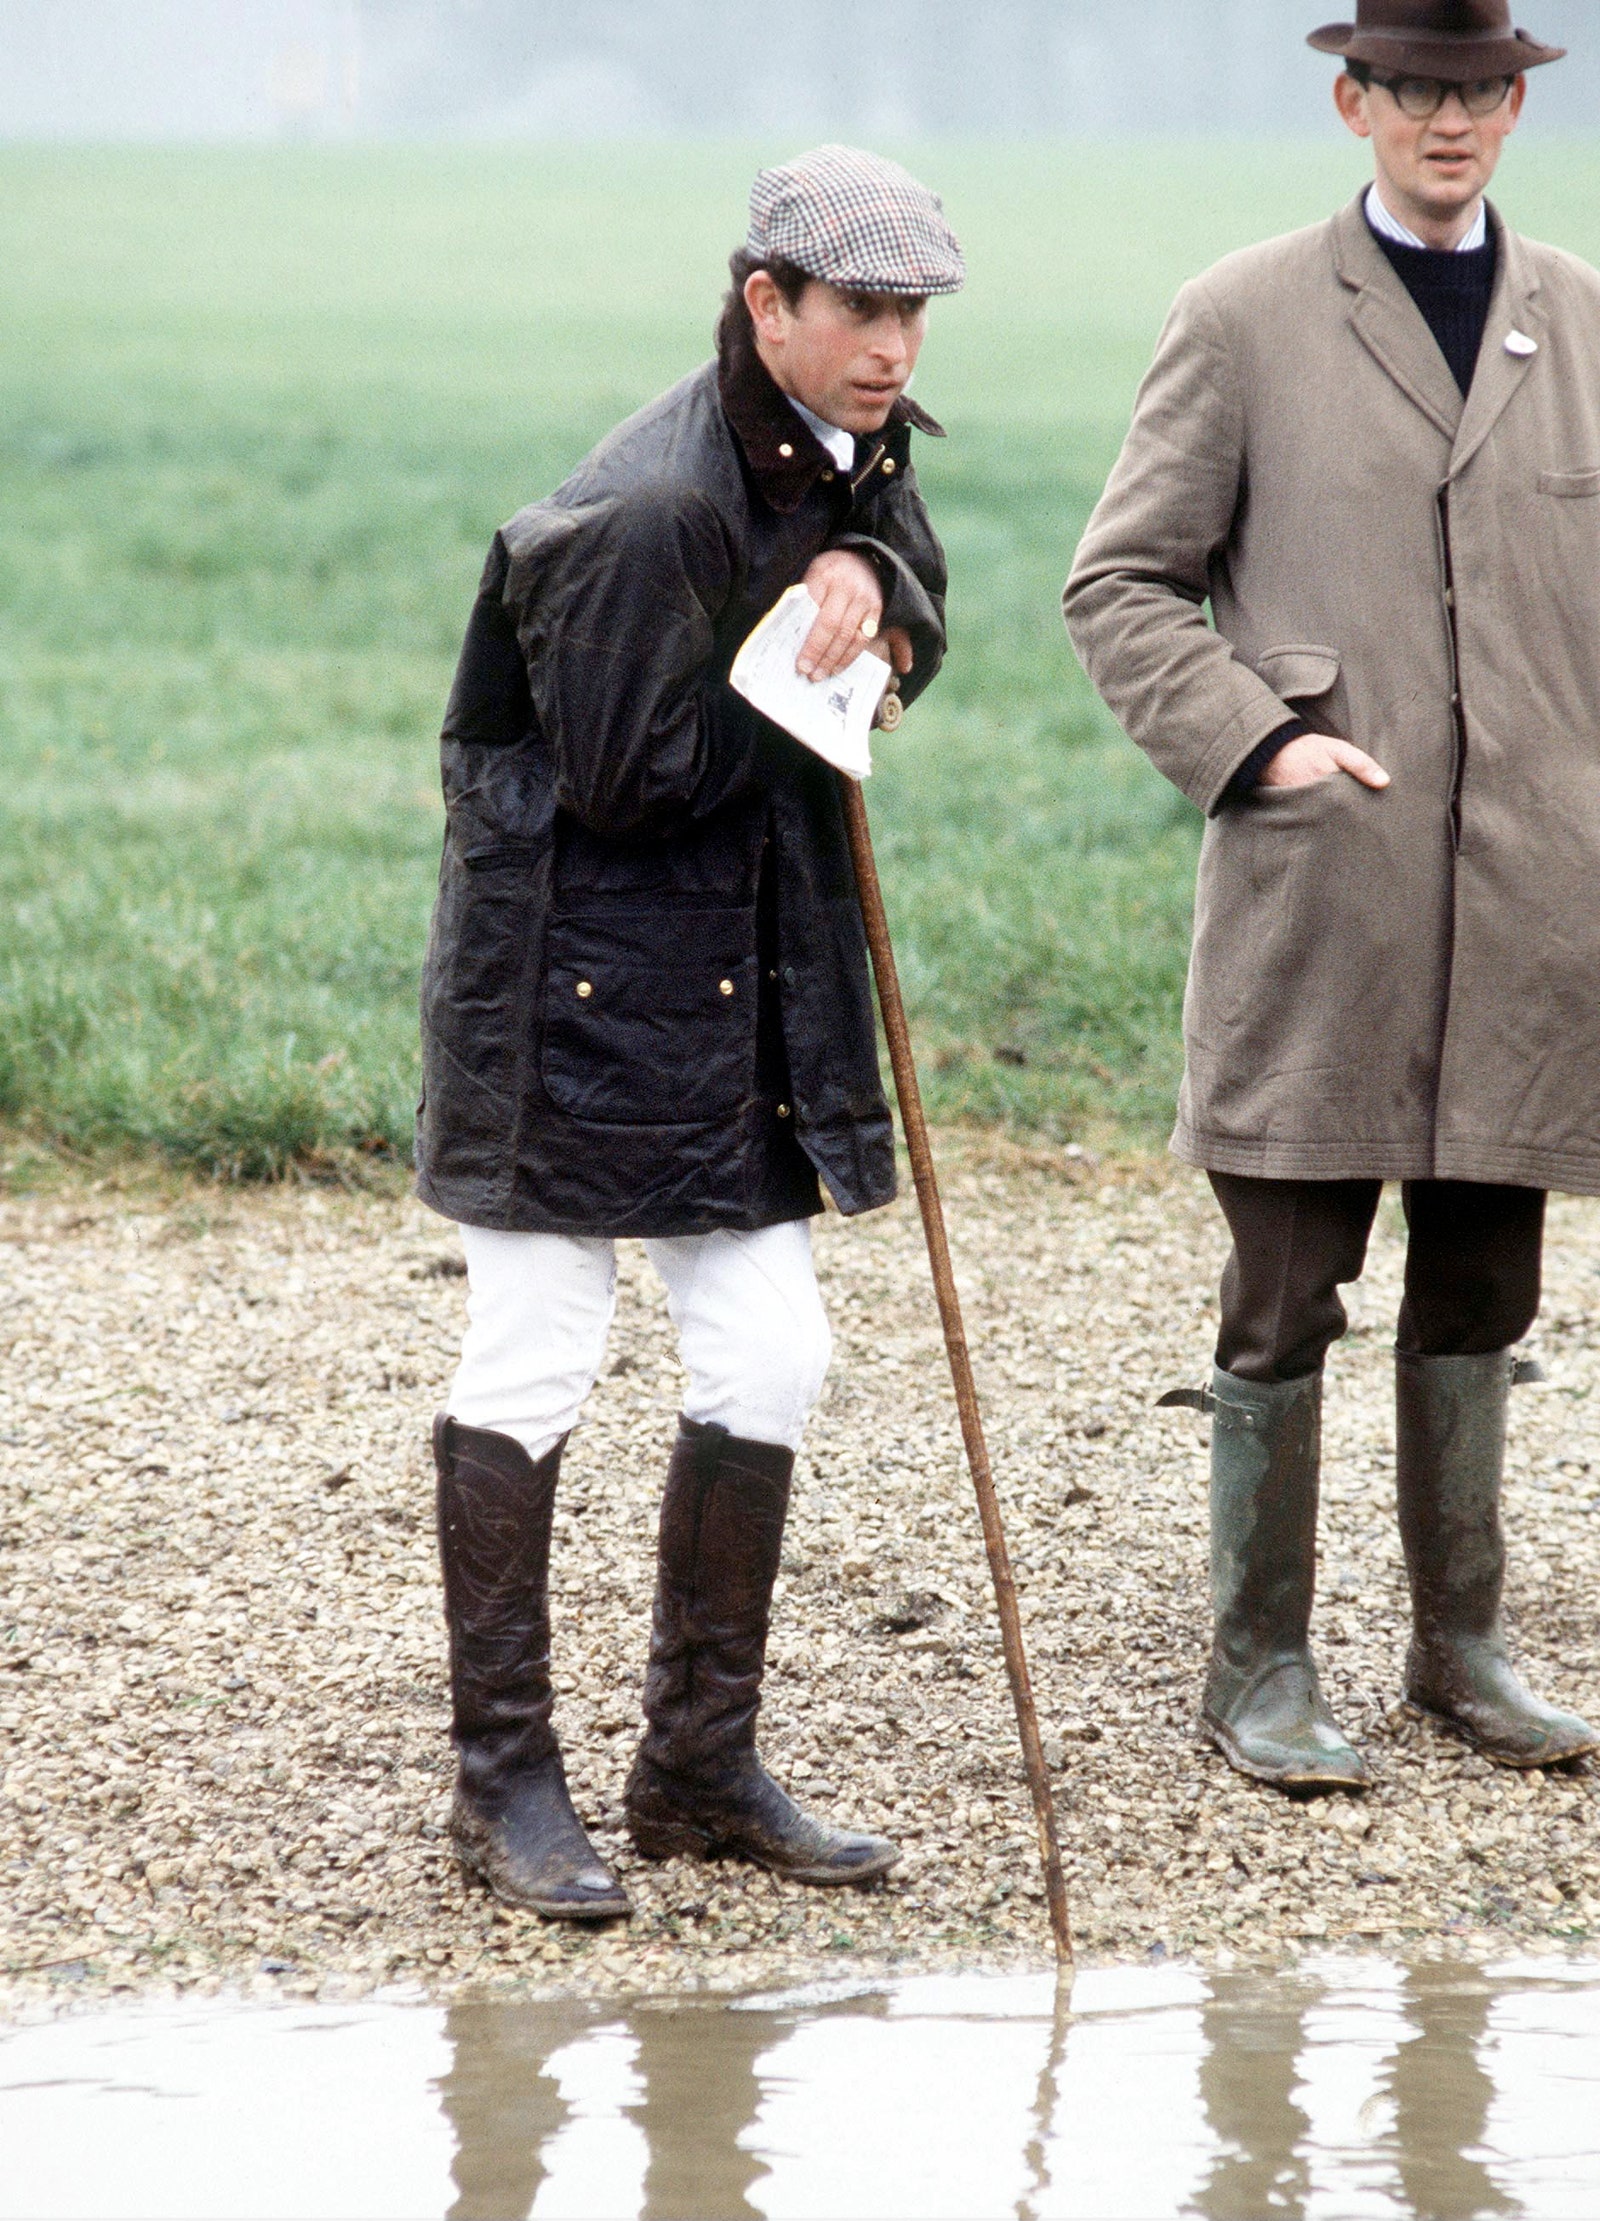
[[1390, 227], [840, 445]]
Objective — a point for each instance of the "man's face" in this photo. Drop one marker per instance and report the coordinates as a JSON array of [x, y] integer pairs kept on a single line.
[[1438, 166], [847, 356]]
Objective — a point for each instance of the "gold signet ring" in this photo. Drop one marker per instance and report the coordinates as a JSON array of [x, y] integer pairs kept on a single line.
[[869, 628]]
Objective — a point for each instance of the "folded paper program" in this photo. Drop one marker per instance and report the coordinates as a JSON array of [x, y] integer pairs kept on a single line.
[[832, 717]]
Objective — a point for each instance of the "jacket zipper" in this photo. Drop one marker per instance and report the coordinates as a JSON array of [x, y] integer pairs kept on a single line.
[[1458, 714], [873, 460]]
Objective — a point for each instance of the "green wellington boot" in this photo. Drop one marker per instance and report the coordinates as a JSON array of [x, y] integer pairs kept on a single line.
[[1450, 1439], [1264, 1705]]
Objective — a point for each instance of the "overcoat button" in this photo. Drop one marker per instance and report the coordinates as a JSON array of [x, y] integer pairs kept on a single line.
[[787, 452], [828, 477], [584, 990], [889, 466], [789, 975], [783, 1110], [727, 987]]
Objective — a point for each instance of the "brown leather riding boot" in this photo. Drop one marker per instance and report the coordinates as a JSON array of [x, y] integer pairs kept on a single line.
[[697, 1786], [512, 1821], [1450, 1436]]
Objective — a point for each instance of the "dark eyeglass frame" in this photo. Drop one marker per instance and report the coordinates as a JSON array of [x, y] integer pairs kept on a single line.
[[1429, 94]]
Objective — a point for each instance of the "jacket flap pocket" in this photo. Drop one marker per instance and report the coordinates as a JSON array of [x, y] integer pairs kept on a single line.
[[650, 1015], [1570, 485], [1299, 674], [489, 854]]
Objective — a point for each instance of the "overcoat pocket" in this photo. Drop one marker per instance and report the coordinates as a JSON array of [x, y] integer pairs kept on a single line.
[[1570, 485], [1299, 674], [650, 1015]]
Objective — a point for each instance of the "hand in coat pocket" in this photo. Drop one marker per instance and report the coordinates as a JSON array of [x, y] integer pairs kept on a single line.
[[1313, 757]]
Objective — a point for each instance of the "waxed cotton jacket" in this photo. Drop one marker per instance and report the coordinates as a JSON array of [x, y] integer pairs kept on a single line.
[[646, 1004], [1385, 985]]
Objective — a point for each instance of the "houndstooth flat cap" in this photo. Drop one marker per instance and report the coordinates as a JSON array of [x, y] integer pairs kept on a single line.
[[858, 221]]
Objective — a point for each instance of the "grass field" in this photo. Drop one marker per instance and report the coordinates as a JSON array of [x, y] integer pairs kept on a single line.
[[259, 415]]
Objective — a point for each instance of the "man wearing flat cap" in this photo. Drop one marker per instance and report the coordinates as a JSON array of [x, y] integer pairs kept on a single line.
[[1374, 449], [647, 1012]]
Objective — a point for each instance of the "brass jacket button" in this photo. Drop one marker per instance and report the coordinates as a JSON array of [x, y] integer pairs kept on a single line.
[[727, 987], [783, 1110], [787, 452], [889, 466], [584, 990]]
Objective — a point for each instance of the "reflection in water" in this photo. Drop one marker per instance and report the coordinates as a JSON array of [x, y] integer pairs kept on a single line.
[[697, 2093], [1047, 2100], [1339, 2087], [701, 2094], [501, 2104], [1261, 2046], [1254, 2033], [699, 2077], [1442, 2095]]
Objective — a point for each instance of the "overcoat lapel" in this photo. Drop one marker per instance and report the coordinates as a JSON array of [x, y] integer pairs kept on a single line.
[[1390, 325], [1395, 333], [1515, 307]]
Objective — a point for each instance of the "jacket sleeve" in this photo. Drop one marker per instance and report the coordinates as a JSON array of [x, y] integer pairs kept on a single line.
[[1134, 602], [897, 536], [615, 609]]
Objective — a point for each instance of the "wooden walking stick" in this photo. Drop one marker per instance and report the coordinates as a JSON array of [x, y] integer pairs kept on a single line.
[[915, 1124]]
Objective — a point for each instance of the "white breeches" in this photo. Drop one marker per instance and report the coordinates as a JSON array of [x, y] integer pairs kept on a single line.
[[752, 1333]]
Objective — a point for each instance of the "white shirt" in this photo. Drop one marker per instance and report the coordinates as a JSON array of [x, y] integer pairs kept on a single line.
[[1390, 227], [840, 445]]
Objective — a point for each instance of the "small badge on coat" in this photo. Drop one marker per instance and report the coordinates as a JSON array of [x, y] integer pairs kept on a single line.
[[1520, 344]]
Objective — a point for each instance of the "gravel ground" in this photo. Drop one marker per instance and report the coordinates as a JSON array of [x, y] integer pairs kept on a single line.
[[221, 1658]]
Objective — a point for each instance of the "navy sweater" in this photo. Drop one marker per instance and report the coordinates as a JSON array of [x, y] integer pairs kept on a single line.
[[1453, 292]]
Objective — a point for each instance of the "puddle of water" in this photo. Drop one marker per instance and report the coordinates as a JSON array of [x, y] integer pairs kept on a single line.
[[1338, 2090]]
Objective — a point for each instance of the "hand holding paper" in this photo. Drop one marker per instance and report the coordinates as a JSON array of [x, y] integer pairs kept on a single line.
[[832, 717]]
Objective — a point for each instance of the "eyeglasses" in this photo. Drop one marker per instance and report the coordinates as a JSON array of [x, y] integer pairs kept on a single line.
[[1422, 97]]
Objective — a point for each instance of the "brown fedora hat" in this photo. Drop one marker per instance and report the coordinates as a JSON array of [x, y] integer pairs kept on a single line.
[[1456, 40]]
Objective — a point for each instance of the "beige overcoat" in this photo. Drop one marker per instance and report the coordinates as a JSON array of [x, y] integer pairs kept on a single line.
[[1395, 985]]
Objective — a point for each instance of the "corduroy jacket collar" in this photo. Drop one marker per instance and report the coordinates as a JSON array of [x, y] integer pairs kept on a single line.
[[786, 459]]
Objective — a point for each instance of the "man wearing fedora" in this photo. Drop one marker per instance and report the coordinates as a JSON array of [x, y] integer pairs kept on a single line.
[[1373, 448]]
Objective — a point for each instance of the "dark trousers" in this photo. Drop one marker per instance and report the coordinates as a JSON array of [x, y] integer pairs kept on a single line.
[[1473, 1267]]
